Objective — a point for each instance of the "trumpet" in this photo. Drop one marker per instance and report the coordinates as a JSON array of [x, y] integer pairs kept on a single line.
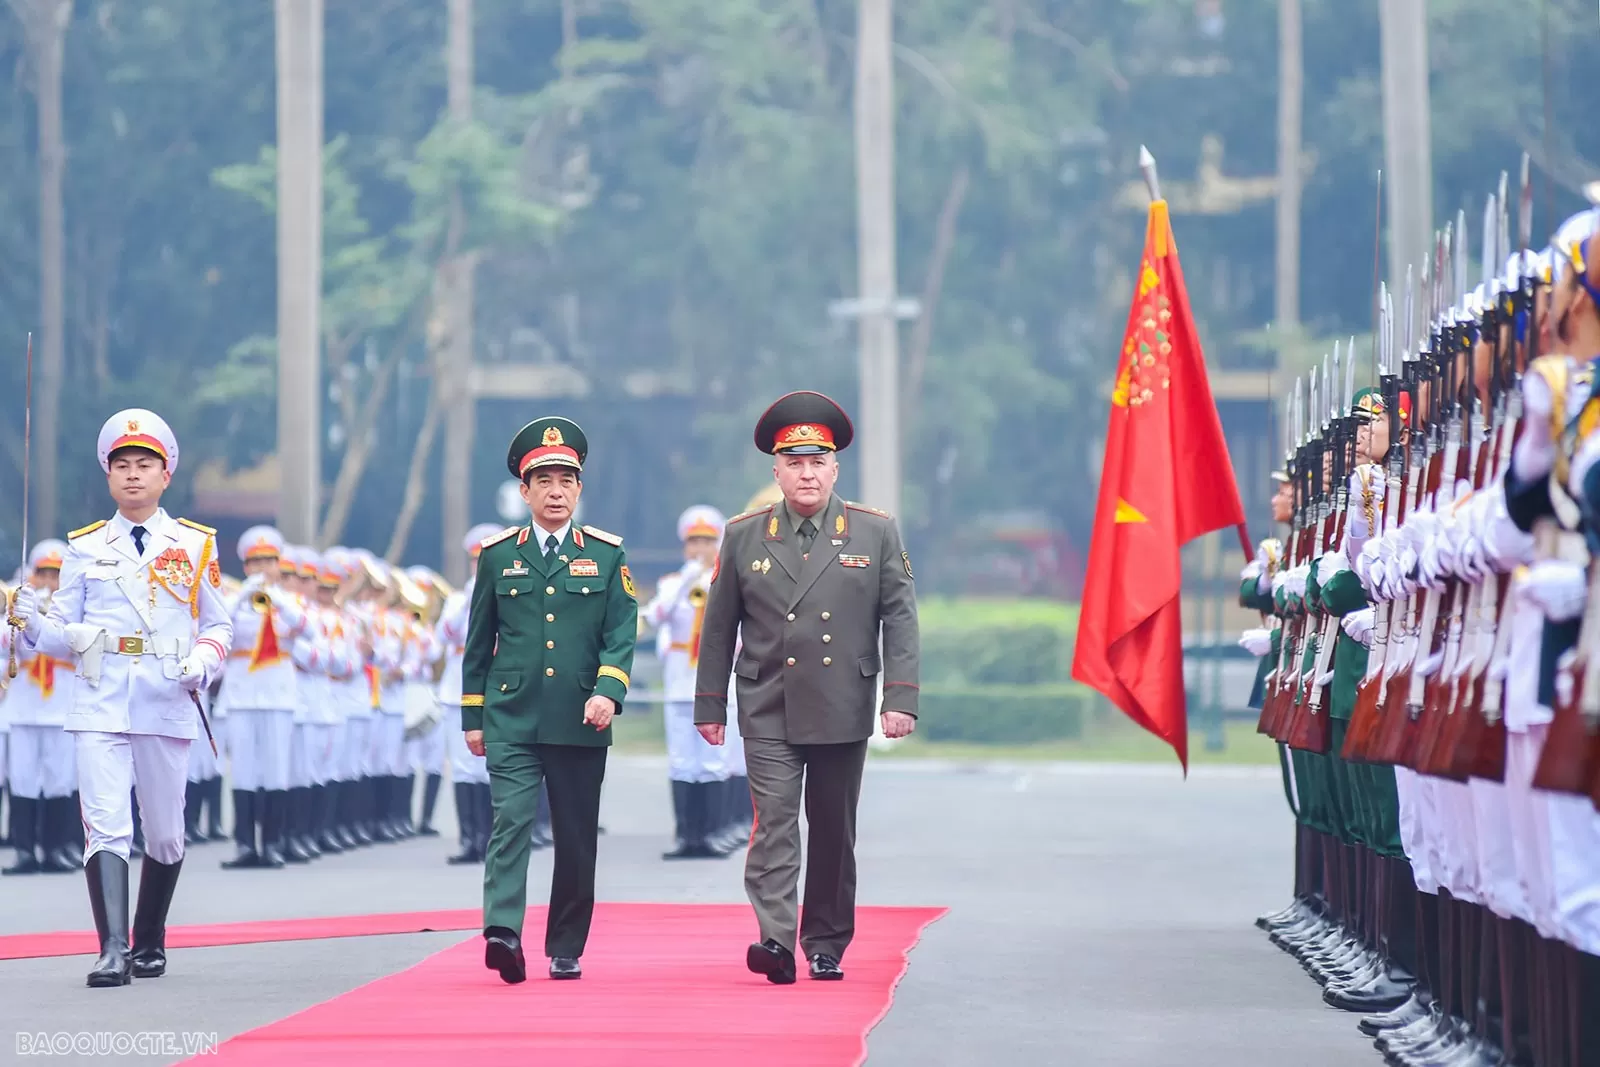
[[261, 600]]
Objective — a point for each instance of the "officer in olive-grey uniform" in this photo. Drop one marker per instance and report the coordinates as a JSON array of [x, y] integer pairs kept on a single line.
[[821, 592]]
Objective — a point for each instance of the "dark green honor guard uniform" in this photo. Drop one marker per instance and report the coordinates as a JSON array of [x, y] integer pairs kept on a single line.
[[553, 626]]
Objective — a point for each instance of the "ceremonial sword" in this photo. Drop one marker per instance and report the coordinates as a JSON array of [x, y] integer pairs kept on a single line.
[[27, 442]]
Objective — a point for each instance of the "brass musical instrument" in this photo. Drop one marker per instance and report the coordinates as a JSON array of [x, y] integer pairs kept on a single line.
[[261, 600], [769, 494]]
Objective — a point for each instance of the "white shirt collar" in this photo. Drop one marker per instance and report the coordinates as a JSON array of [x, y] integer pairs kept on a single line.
[[122, 526], [540, 534]]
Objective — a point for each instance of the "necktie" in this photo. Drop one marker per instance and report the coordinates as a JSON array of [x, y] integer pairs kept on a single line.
[[138, 539], [550, 544], [808, 533]]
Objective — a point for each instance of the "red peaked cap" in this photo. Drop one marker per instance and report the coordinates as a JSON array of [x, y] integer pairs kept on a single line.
[[804, 423]]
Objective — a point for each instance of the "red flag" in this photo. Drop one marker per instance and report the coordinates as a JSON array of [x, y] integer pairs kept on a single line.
[[1167, 479]]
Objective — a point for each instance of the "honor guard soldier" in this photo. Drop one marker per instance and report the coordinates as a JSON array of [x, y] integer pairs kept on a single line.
[[140, 612], [821, 594], [259, 688], [469, 773], [694, 767], [550, 643], [425, 740], [45, 829]]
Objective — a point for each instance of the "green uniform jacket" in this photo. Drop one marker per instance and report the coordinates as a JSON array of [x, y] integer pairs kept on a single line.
[[541, 642], [1342, 595]]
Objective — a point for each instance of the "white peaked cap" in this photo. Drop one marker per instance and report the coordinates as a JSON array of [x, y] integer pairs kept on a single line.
[[260, 542], [701, 520], [138, 428]]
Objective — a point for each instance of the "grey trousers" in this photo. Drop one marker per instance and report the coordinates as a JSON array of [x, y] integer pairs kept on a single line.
[[828, 779]]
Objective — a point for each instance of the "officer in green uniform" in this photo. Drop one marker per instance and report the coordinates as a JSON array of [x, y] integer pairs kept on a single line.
[[549, 648]]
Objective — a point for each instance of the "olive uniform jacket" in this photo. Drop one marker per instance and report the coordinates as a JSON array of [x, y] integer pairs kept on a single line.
[[542, 640], [809, 663]]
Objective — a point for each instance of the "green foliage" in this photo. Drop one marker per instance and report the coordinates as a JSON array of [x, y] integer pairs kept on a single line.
[[973, 642], [1003, 715]]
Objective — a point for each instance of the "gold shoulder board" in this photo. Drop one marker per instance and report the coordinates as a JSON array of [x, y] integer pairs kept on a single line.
[[853, 506], [89, 529], [495, 539], [602, 535], [749, 514], [208, 531]]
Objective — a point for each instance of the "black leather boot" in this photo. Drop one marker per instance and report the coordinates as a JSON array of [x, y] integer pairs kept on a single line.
[[55, 841], [341, 800], [305, 822], [157, 882], [405, 789], [358, 794], [25, 814], [273, 805], [430, 798], [380, 799], [322, 814], [107, 875], [245, 817], [680, 807], [191, 814], [213, 795], [467, 817]]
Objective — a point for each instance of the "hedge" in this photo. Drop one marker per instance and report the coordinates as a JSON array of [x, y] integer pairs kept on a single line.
[[1003, 714], [975, 642]]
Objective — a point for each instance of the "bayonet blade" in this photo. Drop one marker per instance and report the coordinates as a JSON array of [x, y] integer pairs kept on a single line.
[[1525, 205]]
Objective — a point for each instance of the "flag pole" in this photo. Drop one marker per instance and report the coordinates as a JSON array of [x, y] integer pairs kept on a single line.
[[1152, 183]]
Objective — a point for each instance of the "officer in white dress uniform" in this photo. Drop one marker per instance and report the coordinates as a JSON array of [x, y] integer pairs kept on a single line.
[[259, 688], [469, 774], [140, 612], [311, 745], [328, 710], [42, 770], [424, 739], [386, 735]]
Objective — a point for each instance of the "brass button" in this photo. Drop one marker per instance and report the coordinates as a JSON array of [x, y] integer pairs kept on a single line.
[[791, 616], [502, 687], [826, 616], [791, 661], [549, 618], [513, 592], [549, 672], [138, 633], [827, 661], [826, 638], [549, 644], [550, 590]]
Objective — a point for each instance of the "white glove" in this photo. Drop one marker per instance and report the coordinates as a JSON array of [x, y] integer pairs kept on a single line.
[[1253, 569], [1329, 564], [1358, 624], [1564, 676], [1535, 452], [1430, 666], [1505, 546], [25, 606], [1257, 642], [195, 672], [1325, 678], [1555, 587]]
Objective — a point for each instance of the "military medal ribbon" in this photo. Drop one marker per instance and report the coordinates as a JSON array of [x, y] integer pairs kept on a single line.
[[1167, 479]]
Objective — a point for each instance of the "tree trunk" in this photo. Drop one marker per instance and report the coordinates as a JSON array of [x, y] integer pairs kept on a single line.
[[944, 239], [358, 447], [452, 365], [416, 487], [45, 27]]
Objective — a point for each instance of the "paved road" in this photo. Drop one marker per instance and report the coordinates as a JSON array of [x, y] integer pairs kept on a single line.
[[1100, 915]]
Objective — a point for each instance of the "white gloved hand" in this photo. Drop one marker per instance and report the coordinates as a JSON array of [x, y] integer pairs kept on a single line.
[[195, 672], [1556, 587], [1329, 564], [1564, 676], [1358, 624], [1535, 451], [25, 606], [1253, 569], [1257, 642], [1430, 666], [1324, 680]]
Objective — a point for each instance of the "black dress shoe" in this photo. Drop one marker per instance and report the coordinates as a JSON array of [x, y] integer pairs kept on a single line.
[[502, 951], [824, 968], [565, 967], [1406, 1014], [1390, 989], [771, 959]]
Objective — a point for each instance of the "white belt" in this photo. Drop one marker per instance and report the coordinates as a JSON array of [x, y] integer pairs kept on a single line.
[[143, 646]]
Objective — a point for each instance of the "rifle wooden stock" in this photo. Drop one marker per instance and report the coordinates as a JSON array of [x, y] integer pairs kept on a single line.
[[1571, 756]]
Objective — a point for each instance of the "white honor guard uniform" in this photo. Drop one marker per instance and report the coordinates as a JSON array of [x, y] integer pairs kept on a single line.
[[697, 770], [259, 688], [140, 612], [42, 768], [355, 697], [424, 716], [386, 740], [468, 773], [316, 716]]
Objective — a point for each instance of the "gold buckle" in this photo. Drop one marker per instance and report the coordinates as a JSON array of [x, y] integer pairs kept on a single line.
[[130, 646]]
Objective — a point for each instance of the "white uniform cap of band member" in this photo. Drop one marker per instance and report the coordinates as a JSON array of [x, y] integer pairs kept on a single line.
[[421, 575], [472, 544], [138, 428], [260, 542], [308, 562], [701, 520], [47, 555]]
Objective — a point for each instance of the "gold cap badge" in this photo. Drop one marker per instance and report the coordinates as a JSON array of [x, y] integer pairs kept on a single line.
[[552, 436]]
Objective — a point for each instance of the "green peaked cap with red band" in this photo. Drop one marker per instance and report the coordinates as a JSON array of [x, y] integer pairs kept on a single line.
[[548, 442], [1368, 403]]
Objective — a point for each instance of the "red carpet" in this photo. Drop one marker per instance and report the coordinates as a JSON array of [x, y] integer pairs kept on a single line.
[[85, 943], [664, 984]]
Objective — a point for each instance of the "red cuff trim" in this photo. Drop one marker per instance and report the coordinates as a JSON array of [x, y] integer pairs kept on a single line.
[[908, 685], [216, 646]]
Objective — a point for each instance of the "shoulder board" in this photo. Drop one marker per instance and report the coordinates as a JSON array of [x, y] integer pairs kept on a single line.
[[602, 535], [495, 539], [853, 506], [91, 528], [750, 514], [208, 531]]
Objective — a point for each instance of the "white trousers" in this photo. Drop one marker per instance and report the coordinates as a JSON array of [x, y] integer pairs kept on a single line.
[[44, 764], [1497, 879], [386, 745], [109, 767], [202, 764], [689, 757], [1530, 819], [353, 766], [1456, 840], [311, 754], [1575, 847], [425, 754], [1411, 790], [259, 747], [464, 766]]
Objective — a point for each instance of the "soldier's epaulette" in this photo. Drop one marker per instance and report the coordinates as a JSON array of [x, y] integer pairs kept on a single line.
[[495, 539], [852, 505], [89, 529], [750, 514], [603, 535], [208, 531]]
